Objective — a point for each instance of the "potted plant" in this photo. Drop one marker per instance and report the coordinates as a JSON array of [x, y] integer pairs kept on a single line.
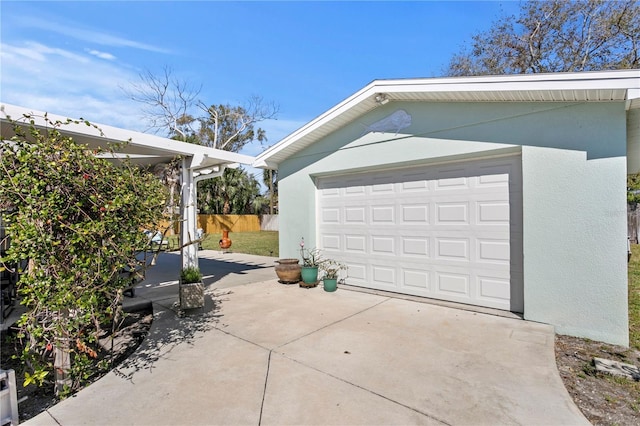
[[330, 270], [311, 260], [191, 288]]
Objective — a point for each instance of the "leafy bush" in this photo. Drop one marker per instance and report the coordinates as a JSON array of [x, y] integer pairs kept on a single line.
[[74, 220]]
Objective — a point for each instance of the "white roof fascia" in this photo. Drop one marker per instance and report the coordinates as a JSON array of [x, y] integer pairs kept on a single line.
[[538, 87], [151, 145], [262, 159]]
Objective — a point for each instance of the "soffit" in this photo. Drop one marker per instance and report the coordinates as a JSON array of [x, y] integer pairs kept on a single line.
[[606, 86]]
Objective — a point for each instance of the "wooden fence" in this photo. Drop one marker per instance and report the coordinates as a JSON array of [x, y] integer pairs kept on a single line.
[[269, 222], [216, 223], [633, 222]]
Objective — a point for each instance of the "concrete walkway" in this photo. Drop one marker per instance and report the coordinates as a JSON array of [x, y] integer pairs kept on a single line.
[[264, 353]]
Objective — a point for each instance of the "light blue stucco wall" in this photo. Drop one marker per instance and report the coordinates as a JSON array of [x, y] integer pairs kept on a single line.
[[574, 219], [574, 171]]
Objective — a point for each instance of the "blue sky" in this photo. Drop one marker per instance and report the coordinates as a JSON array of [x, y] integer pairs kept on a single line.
[[73, 58]]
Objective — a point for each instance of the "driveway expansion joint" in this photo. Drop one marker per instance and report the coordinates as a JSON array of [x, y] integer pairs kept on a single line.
[[393, 401], [334, 323]]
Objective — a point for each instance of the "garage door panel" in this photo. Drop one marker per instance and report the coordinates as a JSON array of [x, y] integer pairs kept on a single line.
[[492, 212], [451, 232], [384, 245], [494, 290], [357, 273], [384, 276], [414, 213], [416, 281], [355, 215], [330, 215], [415, 247], [328, 193], [493, 251], [382, 185], [355, 243], [450, 213], [452, 183], [452, 249], [487, 179], [383, 214], [354, 191], [414, 183], [452, 285], [332, 242]]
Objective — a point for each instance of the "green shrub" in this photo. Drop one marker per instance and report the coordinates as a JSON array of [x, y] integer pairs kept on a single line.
[[74, 220], [190, 274]]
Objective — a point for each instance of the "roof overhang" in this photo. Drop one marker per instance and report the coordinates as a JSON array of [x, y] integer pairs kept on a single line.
[[600, 86], [141, 148]]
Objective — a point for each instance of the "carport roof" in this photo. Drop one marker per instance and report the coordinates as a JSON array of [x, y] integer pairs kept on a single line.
[[142, 148], [600, 86]]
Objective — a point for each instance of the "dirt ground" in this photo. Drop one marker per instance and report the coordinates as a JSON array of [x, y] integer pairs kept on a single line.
[[602, 398], [33, 400]]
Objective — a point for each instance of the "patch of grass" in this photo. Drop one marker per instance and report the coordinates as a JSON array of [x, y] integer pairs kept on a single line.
[[261, 243], [634, 297], [589, 369]]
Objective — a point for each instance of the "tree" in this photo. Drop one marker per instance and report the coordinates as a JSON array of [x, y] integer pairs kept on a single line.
[[270, 179], [167, 103], [235, 192], [232, 127], [556, 36], [75, 219], [171, 105]]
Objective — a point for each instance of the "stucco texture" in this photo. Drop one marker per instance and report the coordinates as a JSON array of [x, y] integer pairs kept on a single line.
[[573, 172]]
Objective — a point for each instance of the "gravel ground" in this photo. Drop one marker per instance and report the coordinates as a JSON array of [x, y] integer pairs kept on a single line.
[[602, 398]]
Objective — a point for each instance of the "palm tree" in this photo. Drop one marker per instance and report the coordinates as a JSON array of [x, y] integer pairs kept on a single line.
[[270, 179], [234, 192]]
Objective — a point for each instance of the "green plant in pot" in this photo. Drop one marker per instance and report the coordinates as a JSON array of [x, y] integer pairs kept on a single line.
[[311, 261], [191, 288], [190, 274], [330, 272]]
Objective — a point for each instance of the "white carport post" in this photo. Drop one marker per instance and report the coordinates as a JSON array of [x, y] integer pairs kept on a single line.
[[188, 207]]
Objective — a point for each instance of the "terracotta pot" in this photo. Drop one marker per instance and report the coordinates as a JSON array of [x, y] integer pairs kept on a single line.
[[225, 242], [288, 271]]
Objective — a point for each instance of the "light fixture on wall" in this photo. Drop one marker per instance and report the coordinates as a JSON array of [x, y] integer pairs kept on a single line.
[[381, 98]]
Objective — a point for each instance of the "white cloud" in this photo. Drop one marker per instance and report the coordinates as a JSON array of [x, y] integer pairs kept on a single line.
[[31, 50], [88, 35], [66, 83], [101, 55]]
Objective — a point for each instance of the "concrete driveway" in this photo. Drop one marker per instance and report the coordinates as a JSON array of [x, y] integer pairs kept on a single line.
[[264, 353]]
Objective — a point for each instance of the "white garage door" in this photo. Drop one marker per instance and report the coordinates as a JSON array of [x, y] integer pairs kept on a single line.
[[449, 232]]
